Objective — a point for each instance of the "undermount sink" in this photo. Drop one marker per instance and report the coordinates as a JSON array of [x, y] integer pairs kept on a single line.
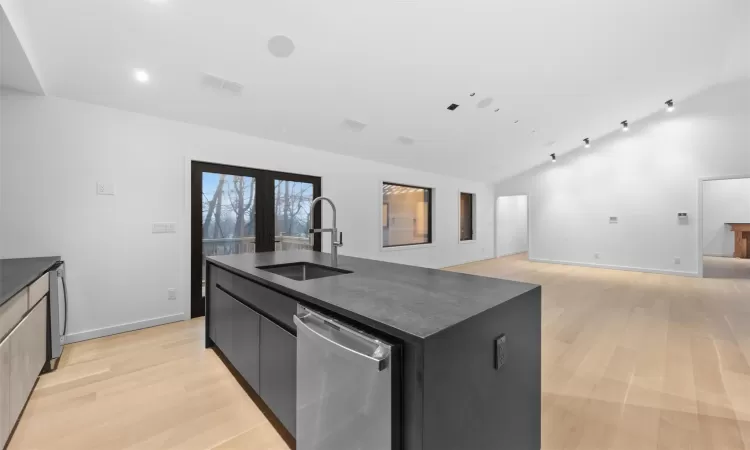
[[302, 271]]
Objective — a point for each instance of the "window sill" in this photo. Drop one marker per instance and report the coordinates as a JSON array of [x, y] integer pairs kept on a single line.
[[472, 241], [406, 247]]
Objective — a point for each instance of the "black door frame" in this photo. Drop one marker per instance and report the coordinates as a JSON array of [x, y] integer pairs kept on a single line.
[[265, 223]]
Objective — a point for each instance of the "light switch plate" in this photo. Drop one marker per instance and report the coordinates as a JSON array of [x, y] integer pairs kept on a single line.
[[105, 189], [613, 219], [163, 227], [171, 294]]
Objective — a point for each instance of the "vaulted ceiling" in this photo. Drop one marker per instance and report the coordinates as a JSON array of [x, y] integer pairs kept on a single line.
[[564, 70]]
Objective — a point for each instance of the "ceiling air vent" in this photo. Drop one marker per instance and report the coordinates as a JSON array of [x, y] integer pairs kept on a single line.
[[221, 84], [353, 125]]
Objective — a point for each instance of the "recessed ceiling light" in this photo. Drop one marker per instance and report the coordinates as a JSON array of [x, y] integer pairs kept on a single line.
[[485, 102], [280, 46], [141, 75]]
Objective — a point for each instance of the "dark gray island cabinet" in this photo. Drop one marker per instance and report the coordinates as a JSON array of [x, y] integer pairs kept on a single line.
[[468, 347]]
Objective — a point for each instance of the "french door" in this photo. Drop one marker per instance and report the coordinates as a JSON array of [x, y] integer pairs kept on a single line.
[[236, 210]]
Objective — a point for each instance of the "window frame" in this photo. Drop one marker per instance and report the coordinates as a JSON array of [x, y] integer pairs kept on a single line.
[[430, 218], [473, 217]]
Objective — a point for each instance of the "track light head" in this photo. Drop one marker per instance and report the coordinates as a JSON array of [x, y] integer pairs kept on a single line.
[[554, 158], [670, 105], [586, 142], [624, 124]]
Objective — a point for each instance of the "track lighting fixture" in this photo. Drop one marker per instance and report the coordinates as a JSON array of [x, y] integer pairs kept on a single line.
[[670, 105], [554, 158], [586, 142], [624, 124]]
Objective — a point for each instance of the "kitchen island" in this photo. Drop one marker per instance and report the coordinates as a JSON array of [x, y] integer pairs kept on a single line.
[[468, 347]]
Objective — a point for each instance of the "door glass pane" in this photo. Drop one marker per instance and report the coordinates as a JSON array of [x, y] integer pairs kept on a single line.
[[406, 215], [292, 204], [228, 215]]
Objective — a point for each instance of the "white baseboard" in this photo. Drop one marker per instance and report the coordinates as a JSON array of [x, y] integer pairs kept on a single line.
[[719, 255], [613, 267], [511, 254], [123, 328]]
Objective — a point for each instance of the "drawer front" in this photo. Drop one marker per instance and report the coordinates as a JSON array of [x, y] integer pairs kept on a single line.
[[277, 306], [246, 343], [221, 317], [38, 289], [278, 372], [12, 312], [5, 423], [28, 352], [224, 278]]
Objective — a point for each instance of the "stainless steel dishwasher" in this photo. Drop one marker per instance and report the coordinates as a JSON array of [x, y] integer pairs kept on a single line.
[[344, 383]]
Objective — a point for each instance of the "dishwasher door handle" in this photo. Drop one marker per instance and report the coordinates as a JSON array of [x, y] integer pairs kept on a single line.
[[380, 355]]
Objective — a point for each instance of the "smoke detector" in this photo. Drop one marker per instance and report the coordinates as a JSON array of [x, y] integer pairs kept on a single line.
[[221, 84], [280, 46], [485, 102]]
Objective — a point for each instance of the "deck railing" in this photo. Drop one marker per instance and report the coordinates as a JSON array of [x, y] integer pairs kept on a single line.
[[214, 247]]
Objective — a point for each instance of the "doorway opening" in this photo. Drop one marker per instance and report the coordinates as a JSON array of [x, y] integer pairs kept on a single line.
[[724, 234], [512, 226], [235, 210]]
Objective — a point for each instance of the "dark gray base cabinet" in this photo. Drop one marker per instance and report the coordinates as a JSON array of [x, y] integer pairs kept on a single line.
[[278, 372], [261, 351]]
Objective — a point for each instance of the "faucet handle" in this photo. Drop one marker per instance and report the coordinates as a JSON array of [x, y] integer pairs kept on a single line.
[[340, 243]]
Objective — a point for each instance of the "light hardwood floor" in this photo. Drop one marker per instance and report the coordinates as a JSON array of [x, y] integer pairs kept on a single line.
[[150, 389], [630, 361], [720, 267], [639, 361]]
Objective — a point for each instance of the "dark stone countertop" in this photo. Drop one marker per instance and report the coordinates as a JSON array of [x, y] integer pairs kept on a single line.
[[404, 301], [15, 274]]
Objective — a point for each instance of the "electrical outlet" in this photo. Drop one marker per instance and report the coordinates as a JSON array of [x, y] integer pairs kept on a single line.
[[171, 294], [676, 260], [105, 189], [613, 219], [501, 351], [596, 255]]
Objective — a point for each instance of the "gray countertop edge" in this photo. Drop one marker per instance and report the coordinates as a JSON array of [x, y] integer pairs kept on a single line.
[[304, 298], [267, 280], [33, 274]]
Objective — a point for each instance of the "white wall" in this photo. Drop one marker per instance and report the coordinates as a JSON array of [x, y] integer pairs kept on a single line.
[[645, 177], [724, 201], [511, 225], [54, 151]]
